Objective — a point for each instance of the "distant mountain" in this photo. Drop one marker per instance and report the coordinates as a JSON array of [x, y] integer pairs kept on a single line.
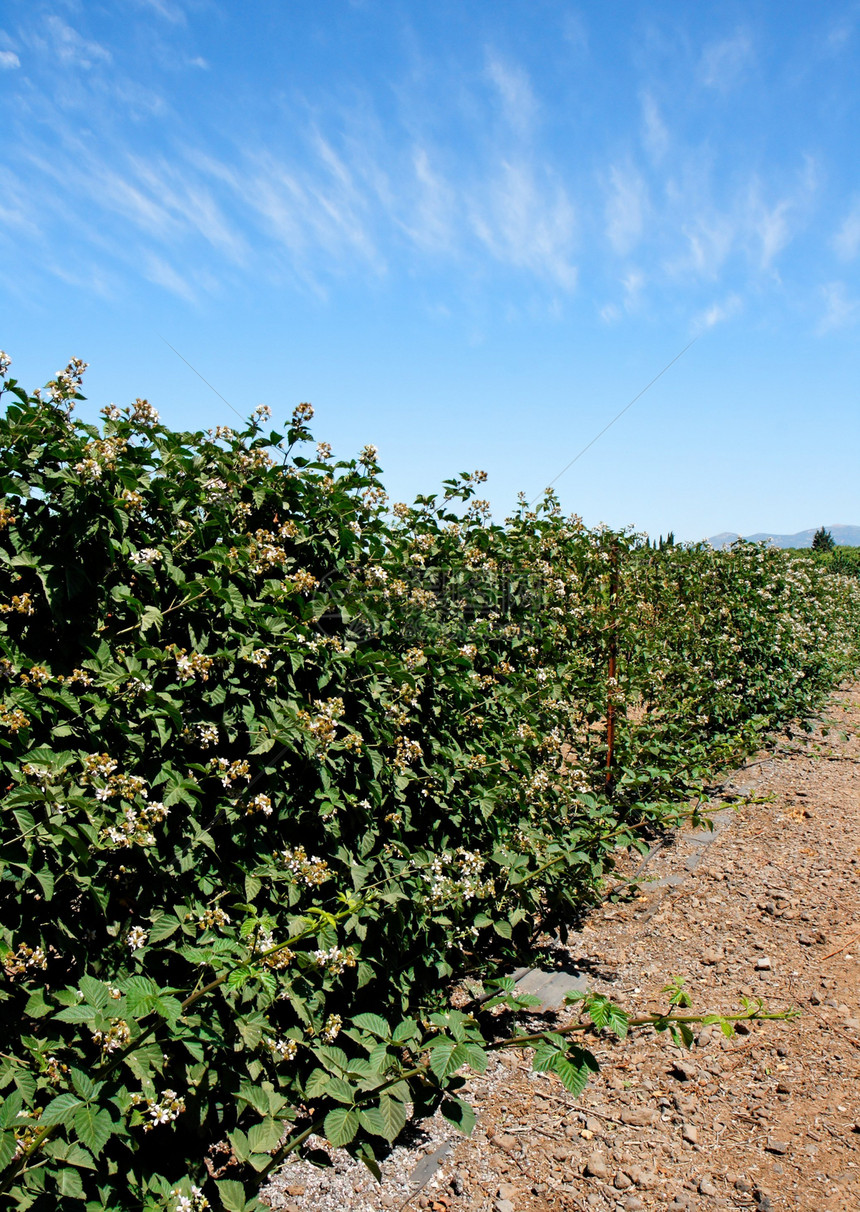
[[843, 536]]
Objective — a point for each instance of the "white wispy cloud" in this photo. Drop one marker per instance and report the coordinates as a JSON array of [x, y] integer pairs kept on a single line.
[[515, 91], [847, 239], [655, 136], [840, 310], [626, 205], [9, 60], [717, 313], [68, 46], [724, 61], [527, 222], [170, 10]]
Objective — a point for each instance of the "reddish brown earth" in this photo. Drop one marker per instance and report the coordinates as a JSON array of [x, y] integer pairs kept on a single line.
[[768, 1120]]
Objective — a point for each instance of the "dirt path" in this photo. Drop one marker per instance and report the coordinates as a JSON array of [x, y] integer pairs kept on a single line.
[[769, 906]]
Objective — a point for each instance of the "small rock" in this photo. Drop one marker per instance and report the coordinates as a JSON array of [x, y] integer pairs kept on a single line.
[[647, 1180], [640, 1117], [504, 1205], [633, 1204], [763, 964], [775, 1145], [711, 957], [684, 1071], [595, 1167], [622, 1181], [691, 1134], [783, 1087], [507, 1191], [852, 1024], [744, 1185], [295, 1191], [504, 1140], [457, 1185], [706, 1185]]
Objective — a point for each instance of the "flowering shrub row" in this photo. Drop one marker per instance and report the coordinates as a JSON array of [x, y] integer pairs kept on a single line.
[[280, 762]]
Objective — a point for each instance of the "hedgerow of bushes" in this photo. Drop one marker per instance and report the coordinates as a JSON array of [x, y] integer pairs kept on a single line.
[[281, 761]]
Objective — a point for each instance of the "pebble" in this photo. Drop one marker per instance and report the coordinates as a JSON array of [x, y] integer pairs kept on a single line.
[[504, 1205], [633, 1204], [507, 1191], [691, 1134], [763, 964], [775, 1145], [640, 1117], [622, 1181], [595, 1167]]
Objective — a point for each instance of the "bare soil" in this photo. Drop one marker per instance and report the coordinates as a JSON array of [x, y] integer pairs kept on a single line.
[[766, 906]]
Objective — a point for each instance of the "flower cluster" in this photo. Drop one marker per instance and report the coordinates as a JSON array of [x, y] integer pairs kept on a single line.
[[310, 871], [407, 752], [24, 959], [260, 803], [300, 581], [192, 664], [13, 718], [278, 959], [100, 455], [135, 826], [322, 726], [136, 938], [284, 1049], [20, 604], [457, 875], [331, 1028], [69, 381], [195, 1202], [36, 675], [302, 413], [7, 517], [335, 960], [162, 1110], [146, 555], [142, 413], [213, 919], [229, 772], [259, 657], [118, 1035]]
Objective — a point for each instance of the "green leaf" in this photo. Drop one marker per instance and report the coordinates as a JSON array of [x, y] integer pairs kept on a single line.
[[95, 992], [459, 1113], [70, 1184], [46, 879], [446, 1057], [77, 1014], [375, 1024], [93, 1127], [36, 1006], [341, 1091], [8, 1145], [264, 1137], [340, 1126], [61, 1110], [163, 925], [392, 1114], [317, 1083], [232, 1194], [10, 1107], [84, 1085]]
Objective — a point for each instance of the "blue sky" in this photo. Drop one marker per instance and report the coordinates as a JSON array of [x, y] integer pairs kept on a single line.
[[469, 232]]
